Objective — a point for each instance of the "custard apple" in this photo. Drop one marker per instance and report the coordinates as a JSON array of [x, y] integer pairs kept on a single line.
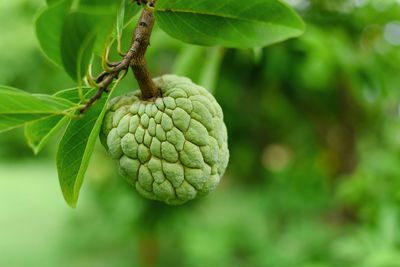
[[172, 149]]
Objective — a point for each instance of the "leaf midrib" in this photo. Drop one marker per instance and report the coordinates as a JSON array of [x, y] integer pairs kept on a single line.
[[224, 16]]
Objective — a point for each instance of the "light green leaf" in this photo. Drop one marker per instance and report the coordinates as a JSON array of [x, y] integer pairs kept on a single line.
[[12, 121], [18, 107], [200, 64], [188, 60], [210, 73], [120, 20], [229, 23], [72, 94], [13, 101], [39, 132], [49, 28], [55, 101], [75, 149]]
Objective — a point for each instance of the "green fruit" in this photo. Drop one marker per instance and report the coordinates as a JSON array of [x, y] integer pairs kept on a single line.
[[173, 149]]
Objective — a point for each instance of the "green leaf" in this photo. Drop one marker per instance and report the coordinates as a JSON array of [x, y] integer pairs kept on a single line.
[[72, 94], [86, 30], [99, 6], [75, 149], [49, 28], [131, 11], [229, 23], [9, 122], [68, 39], [52, 2], [103, 13], [120, 20], [15, 101], [78, 36], [39, 132], [210, 73], [188, 60], [55, 101], [200, 64], [18, 107], [124, 16]]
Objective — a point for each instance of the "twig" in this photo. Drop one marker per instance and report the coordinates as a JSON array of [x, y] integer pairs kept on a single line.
[[134, 58]]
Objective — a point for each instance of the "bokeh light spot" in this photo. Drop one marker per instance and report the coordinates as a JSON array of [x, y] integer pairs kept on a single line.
[[276, 157], [392, 33]]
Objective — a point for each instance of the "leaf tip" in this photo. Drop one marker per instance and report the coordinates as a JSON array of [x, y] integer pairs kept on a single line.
[[72, 205], [72, 202], [35, 151]]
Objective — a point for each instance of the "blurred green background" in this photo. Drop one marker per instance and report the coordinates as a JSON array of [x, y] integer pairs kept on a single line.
[[314, 135]]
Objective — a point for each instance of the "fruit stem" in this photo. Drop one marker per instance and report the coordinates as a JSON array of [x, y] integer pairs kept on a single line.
[[140, 42]]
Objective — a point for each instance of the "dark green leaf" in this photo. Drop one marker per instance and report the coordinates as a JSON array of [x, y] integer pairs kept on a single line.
[[98, 6], [78, 36], [49, 28], [229, 23], [131, 10], [52, 2], [86, 30], [103, 13], [75, 149], [125, 15]]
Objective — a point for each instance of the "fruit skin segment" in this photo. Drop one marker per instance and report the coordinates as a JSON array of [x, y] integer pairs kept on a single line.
[[173, 149]]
